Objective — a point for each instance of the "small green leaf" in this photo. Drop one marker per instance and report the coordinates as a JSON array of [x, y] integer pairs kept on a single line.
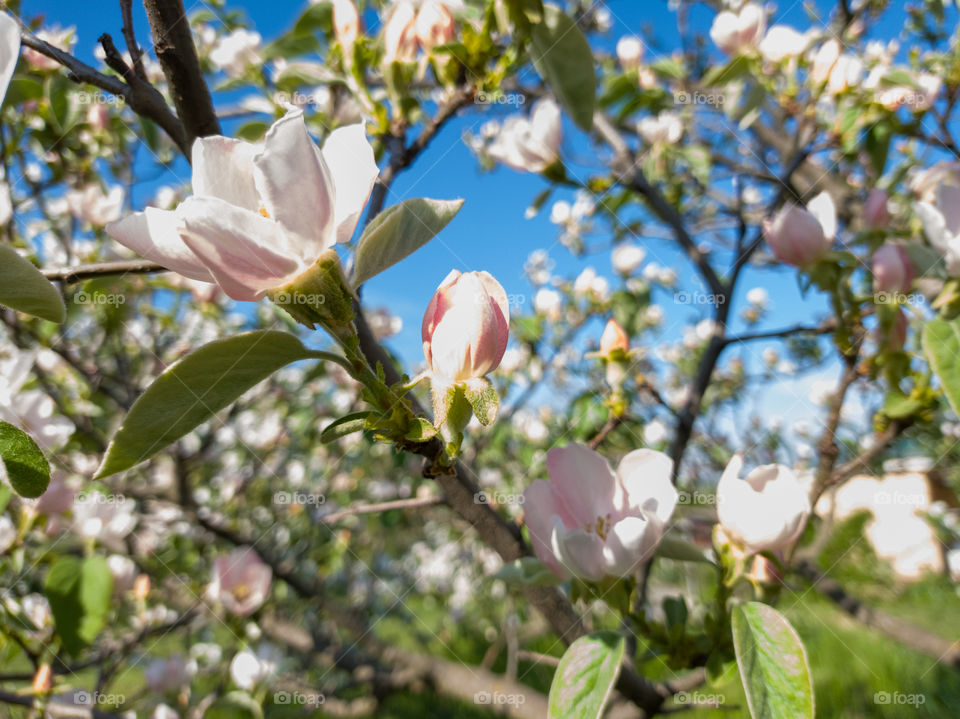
[[681, 550], [25, 289], [586, 676], [722, 74], [194, 389], [773, 663], [562, 56], [483, 398], [348, 424], [79, 593], [941, 345], [420, 430], [526, 571], [27, 468], [234, 705], [399, 231]]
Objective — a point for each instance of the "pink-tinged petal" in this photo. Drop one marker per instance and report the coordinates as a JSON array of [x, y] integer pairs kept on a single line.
[[435, 309], [645, 476], [583, 484], [237, 246], [153, 234], [538, 513], [823, 208], [352, 166], [948, 201], [580, 552], [296, 188], [223, 167], [934, 225], [630, 542], [9, 50]]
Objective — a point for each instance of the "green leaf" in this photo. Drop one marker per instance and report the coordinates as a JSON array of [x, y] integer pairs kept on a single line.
[[564, 60], [348, 424], [483, 398], [234, 705], [722, 74], [897, 405], [420, 430], [253, 131], [27, 468], [79, 594], [24, 289], [585, 677], [877, 145], [194, 389], [399, 231], [773, 663], [941, 345], [527, 571], [681, 550]]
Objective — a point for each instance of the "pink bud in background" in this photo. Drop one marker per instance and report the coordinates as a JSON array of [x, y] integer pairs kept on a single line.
[[614, 338], [735, 32], [876, 213], [466, 326], [434, 25], [897, 336], [796, 236], [98, 117], [892, 269], [241, 581], [399, 34], [346, 25]]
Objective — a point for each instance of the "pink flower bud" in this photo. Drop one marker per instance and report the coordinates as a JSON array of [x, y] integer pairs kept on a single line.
[[434, 25], [465, 327], [876, 214], [892, 269], [897, 336], [614, 338], [796, 236], [346, 24], [399, 34]]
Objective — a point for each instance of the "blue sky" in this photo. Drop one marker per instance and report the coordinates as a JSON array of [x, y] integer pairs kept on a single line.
[[490, 232]]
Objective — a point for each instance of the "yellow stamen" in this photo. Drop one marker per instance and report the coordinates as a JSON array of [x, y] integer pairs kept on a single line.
[[263, 211]]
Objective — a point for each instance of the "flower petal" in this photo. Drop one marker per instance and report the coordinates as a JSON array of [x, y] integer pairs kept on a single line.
[[823, 208], [223, 167], [645, 476], [538, 513], [237, 246], [353, 167], [153, 234], [580, 552], [296, 187], [583, 482], [9, 50]]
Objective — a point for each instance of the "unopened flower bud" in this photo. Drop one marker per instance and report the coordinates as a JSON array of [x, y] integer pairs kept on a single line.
[[892, 269]]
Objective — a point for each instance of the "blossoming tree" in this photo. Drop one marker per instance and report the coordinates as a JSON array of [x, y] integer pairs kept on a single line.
[[224, 493]]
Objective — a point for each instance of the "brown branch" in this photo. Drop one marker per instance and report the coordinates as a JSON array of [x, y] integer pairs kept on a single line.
[[412, 503], [56, 710], [823, 328], [173, 45], [136, 54], [79, 273], [141, 96]]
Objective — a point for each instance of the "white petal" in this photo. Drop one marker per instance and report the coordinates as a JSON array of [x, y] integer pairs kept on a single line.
[[645, 476], [9, 50], [934, 225], [296, 187], [239, 247], [153, 234], [223, 167], [350, 159], [825, 211]]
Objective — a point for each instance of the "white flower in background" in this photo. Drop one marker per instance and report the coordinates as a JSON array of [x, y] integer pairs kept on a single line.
[[124, 572], [164, 675], [758, 297], [92, 205], [590, 522], [529, 144], [162, 711], [770, 356], [235, 52], [106, 518], [261, 214], [241, 581], [653, 314], [61, 38], [654, 432], [8, 533], [626, 258], [941, 224], [630, 49], [592, 286], [37, 610], [560, 212], [667, 276], [549, 303], [925, 182], [31, 410], [9, 53], [538, 267], [663, 129], [839, 70], [783, 43], [248, 669], [766, 510], [741, 31], [786, 367]]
